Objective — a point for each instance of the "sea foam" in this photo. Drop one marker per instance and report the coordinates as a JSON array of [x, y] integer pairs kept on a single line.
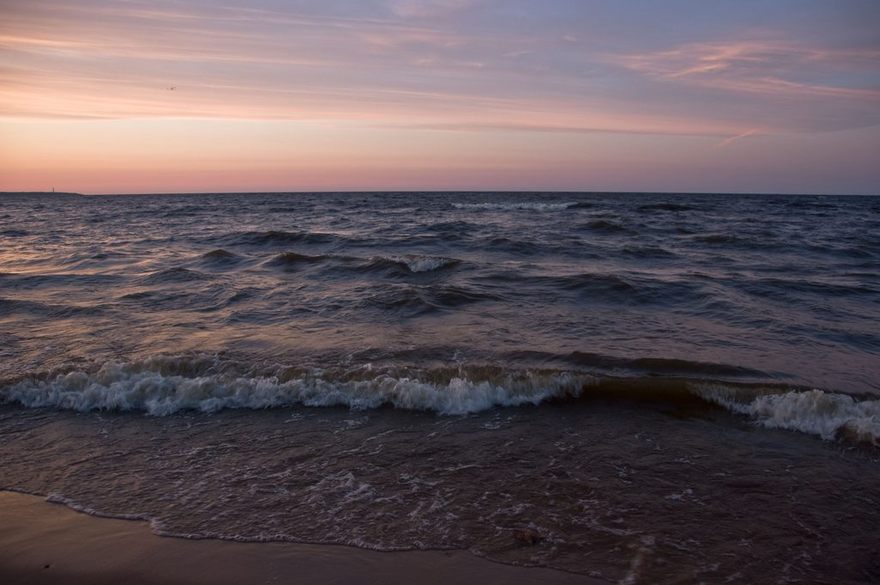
[[419, 263], [117, 387], [165, 385], [827, 414]]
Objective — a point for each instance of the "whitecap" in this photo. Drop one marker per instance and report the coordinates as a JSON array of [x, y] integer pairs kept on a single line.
[[118, 387], [829, 415], [418, 263]]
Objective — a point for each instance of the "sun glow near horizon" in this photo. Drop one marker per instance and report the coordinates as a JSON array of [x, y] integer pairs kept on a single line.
[[190, 96]]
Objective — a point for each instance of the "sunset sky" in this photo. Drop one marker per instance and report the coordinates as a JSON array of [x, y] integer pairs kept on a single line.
[[285, 95]]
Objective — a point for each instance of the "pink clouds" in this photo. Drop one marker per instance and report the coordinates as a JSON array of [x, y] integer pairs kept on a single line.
[[437, 73], [754, 67]]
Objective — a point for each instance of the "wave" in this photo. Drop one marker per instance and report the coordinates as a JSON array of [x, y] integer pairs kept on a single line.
[[56, 311], [120, 387], [663, 366], [717, 238], [826, 414], [275, 237], [607, 287], [172, 275], [604, 226], [292, 260], [165, 385], [514, 246], [451, 231], [517, 206], [285, 209], [665, 207], [414, 262], [647, 251], [13, 280], [56, 498], [220, 256], [412, 301], [823, 289], [811, 205], [400, 265], [590, 283]]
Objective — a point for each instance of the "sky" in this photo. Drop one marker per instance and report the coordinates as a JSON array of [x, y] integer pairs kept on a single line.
[[580, 95]]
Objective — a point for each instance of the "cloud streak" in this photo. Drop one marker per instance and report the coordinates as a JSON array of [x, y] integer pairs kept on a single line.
[[486, 68], [732, 139], [758, 67], [98, 60]]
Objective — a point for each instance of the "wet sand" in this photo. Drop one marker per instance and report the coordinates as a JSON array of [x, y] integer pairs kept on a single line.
[[43, 543]]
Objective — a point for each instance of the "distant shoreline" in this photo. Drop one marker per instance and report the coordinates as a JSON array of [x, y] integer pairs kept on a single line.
[[530, 192], [41, 194]]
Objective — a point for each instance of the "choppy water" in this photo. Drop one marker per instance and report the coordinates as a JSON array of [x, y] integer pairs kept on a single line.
[[663, 338]]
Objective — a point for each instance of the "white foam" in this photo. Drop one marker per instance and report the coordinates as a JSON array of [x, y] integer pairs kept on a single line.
[[155, 525], [513, 206], [118, 387], [816, 412], [417, 263]]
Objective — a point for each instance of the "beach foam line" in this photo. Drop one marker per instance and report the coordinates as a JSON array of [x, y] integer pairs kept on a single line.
[[82, 545]]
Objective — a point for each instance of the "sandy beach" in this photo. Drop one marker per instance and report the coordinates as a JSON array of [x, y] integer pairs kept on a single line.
[[45, 543]]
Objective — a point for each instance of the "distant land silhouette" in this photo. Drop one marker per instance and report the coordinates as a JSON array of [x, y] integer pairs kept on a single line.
[[39, 194]]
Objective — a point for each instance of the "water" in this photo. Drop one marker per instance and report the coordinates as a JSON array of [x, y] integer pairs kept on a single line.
[[655, 385]]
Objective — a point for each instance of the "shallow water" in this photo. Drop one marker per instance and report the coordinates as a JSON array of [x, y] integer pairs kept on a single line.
[[620, 491], [618, 373]]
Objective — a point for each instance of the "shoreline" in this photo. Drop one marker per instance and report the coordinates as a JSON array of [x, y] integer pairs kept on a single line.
[[47, 543]]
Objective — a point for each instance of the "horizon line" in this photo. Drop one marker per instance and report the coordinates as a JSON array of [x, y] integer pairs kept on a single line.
[[451, 191]]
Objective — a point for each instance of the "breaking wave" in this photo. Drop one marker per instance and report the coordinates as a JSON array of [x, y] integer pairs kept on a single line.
[[122, 387], [166, 385], [417, 262], [826, 414]]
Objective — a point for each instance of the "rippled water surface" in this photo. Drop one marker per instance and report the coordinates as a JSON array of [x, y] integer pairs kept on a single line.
[[786, 288], [688, 353]]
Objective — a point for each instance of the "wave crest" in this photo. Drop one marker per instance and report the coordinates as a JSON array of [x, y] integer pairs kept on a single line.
[[119, 387], [280, 237], [826, 414], [417, 262], [164, 385]]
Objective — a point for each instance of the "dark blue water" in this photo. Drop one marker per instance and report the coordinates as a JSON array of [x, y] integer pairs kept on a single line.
[[760, 288], [671, 342]]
